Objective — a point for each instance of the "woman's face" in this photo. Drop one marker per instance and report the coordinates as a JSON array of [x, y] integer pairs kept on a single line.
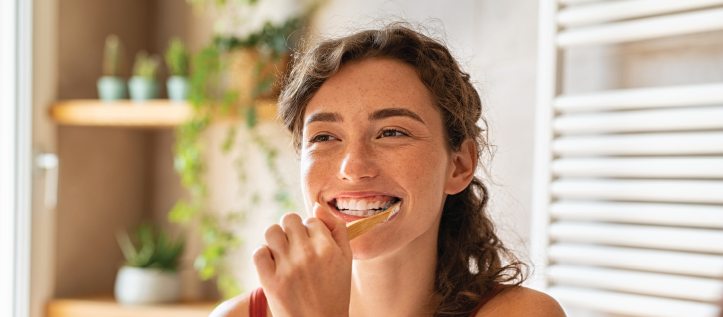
[[372, 136]]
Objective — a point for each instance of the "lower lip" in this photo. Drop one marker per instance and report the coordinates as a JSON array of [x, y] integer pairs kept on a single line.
[[350, 218]]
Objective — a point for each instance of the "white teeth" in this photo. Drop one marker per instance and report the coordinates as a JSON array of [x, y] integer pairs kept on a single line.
[[361, 208]]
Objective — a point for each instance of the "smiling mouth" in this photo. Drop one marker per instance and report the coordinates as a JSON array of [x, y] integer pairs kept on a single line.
[[364, 206]]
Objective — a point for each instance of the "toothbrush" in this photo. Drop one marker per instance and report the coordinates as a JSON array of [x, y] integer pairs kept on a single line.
[[361, 226]]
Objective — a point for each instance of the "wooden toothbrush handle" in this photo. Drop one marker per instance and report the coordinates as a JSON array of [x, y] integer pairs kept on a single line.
[[361, 226]]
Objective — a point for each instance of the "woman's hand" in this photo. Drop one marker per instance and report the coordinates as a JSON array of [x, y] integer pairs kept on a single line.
[[305, 269]]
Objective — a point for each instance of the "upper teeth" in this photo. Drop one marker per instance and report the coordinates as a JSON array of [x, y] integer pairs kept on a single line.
[[362, 205]]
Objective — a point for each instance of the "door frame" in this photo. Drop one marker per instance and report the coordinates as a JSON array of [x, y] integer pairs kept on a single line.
[[15, 156]]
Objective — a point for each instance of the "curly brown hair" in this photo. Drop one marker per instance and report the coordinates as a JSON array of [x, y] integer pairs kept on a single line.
[[471, 259]]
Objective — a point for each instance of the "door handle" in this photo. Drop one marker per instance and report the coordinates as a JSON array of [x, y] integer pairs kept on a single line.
[[49, 163]]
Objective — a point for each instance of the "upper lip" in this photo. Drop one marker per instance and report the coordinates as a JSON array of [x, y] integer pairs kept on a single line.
[[360, 194]]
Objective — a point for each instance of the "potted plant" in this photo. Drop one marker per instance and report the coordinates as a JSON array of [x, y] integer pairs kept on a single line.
[[143, 85], [150, 273], [111, 86], [177, 62], [258, 61]]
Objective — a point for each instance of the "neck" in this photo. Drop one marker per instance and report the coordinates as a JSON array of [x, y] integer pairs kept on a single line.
[[398, 284]]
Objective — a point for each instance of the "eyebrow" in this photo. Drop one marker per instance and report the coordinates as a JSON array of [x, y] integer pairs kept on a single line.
[[324, 117], [376, 115], [394, 112]]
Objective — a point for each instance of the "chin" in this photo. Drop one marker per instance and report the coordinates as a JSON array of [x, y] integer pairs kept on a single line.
[[372, 245], [366, 250]]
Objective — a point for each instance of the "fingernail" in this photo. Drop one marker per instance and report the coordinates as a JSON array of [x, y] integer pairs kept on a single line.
[[316, 208]]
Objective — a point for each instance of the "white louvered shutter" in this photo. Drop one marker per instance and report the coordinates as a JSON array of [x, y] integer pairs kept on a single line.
[[628, 206]]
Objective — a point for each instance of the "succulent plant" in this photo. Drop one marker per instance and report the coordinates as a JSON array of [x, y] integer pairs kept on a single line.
[[177, 58], [151, 247], [111, 56], [146, 66]]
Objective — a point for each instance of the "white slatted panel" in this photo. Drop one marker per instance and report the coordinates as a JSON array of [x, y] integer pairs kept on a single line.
[[630, 304], [630, 181], [684, 215], [643, 29], [639, 190], [684, 263], [664, 285], [676, 167], [641, 98], [641, 121], [620, 10], [667, 238]]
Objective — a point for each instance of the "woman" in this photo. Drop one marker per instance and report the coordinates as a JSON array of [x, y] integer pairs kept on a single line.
[[382, 116]]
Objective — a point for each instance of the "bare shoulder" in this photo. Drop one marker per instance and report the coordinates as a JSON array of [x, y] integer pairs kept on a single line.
[[521, 301], [234, 307]]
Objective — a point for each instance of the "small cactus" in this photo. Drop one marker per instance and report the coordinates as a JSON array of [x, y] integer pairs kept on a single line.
[[111, 57], [146, 66], [177, 58]]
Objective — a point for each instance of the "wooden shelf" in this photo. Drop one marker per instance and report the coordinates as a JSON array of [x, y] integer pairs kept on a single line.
[[106, 306], [159, 113]]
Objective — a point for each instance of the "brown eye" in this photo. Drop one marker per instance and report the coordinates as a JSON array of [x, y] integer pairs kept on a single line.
[[321, 138], [392, 133]]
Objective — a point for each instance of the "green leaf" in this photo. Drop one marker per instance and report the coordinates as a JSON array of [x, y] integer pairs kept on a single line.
[[177, 57], [251, 117]]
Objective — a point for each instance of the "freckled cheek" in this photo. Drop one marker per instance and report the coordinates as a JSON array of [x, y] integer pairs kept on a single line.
[[307, 176], [314, 173], [420, 171]]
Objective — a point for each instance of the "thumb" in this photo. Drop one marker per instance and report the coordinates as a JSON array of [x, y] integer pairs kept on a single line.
[[336, 226]]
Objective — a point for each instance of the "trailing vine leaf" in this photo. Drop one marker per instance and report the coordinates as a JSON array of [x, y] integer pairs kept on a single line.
[[210, 97], [228, 141]]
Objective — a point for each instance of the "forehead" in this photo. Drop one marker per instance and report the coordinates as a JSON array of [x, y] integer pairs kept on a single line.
[[372, 84]]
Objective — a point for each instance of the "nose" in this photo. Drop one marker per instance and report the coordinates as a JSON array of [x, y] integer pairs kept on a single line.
[[358, 163]]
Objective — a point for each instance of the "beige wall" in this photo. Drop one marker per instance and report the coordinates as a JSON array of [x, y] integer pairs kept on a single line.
[[103, 189]]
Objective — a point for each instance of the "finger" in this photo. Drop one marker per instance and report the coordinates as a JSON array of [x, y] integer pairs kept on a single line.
[[316, 228], [295, 230], [276, 241], [265, 265], [336, 226]]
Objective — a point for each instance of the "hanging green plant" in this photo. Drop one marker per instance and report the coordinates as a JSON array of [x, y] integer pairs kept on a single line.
[[211, 96]]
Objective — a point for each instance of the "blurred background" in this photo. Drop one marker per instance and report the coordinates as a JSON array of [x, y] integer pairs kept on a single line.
[[606, 117]]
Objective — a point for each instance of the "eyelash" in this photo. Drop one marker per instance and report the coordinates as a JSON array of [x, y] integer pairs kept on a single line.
[[393, 131], [315, 139]]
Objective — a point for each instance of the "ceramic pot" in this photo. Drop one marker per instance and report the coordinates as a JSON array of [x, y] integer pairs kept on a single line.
[[141, 286], [142, 88], [178, 88], [111, 88]]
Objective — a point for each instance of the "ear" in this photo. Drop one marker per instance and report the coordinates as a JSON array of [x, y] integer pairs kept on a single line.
[[463, 165]]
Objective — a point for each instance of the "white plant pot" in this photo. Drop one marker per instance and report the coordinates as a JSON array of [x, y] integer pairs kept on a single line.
[[139, 286]]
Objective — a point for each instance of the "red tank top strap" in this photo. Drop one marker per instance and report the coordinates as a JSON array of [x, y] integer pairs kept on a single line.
[[490, 295], [257, 303]]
